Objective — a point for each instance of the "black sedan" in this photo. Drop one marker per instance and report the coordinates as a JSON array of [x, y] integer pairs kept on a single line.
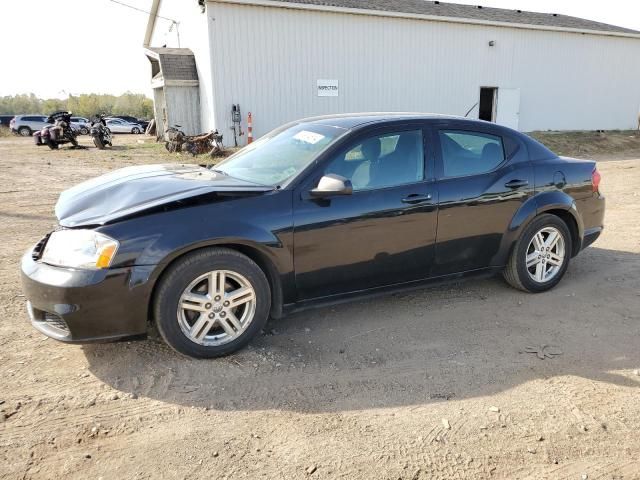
[[317, 211]]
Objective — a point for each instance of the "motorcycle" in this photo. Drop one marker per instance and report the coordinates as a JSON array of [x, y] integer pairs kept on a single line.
[[58, 133], [100, 132], [176, 141]]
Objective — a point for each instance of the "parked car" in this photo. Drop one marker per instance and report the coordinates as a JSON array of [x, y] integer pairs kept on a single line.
[[117, 125], [315, 212], [143, 123], [5, 120], [81, 124], [25, 125]]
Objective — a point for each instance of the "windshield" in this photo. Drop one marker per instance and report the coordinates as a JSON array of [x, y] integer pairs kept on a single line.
[[281, 154]]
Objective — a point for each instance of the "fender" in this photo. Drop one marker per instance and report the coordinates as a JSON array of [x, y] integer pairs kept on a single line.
[[150, 243], [270, 248], [534, 206]]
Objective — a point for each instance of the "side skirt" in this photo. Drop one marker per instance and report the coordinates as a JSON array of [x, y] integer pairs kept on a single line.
[[387, 290]]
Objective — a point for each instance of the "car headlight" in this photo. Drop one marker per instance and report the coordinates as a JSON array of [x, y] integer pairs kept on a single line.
[[79, 249]]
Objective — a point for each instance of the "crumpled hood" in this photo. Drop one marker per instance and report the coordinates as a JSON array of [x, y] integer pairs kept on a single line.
[[134, 189]]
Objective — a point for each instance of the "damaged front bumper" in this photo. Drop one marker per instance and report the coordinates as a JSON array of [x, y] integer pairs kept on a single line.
[[83, 306]]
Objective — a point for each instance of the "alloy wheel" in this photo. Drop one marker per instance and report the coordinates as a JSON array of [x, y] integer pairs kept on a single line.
[[216, 308], [545, 254]]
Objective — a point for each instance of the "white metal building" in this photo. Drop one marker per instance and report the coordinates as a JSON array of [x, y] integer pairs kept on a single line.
[[283, 60]]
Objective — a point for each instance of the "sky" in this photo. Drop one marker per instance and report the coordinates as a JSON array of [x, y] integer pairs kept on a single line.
[[105, 41]]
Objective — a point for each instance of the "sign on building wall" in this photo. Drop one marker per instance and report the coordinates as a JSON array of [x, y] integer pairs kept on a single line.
[[328, 88]]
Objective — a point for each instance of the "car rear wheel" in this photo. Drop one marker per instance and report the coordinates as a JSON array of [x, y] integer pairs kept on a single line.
[[211, 303], [541, 256], [84, 131], [24, 131]]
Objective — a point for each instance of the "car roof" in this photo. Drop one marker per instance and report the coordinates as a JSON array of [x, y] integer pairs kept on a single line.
[[354, 120]]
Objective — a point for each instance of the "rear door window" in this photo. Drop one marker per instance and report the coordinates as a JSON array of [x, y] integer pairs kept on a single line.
[[469, 153]]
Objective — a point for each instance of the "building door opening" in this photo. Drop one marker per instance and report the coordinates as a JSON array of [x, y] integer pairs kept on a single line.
[[487, 109]]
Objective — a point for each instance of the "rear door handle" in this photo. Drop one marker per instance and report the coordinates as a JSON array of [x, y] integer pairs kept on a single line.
[[416, 198], [516, 184]]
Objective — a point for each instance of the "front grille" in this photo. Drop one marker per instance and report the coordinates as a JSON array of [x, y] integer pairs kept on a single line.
[[38, 250], [55, 321]]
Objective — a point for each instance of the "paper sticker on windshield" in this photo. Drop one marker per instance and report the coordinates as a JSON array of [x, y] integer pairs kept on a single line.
[[308, 137]]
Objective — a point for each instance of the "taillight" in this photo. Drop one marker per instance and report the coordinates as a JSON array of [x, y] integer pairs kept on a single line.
[[595, 179]]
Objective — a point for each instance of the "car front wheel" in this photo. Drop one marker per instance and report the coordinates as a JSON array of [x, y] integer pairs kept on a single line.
[[24, 131], [541, 256], [212, 302], [135, 130]]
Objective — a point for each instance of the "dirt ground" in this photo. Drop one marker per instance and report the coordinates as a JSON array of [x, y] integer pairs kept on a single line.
[[434, 383]]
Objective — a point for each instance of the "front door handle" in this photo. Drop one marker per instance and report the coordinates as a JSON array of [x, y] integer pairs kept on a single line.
[[416, 198], [516, 184]]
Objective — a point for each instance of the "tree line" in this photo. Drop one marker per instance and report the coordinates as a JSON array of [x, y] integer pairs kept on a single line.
[[84, 105]]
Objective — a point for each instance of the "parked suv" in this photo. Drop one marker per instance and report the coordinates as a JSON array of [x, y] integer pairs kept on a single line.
[[25, 125], [5, 120]]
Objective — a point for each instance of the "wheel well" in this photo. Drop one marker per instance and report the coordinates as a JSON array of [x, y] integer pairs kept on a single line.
[[254, 254], [571, 223]]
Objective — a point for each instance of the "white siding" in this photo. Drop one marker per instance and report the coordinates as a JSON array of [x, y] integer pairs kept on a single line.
[[269, 59], [183, 108], [159, 109], [194, 34]]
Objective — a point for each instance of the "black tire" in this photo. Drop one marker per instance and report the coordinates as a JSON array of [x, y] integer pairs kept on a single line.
[[84, 131], [25, 131], [135, 130], [516, 272], [52, 144], [182, 273], [97, 141]]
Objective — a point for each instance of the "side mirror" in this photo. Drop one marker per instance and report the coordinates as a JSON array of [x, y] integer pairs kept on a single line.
[[331, 185]]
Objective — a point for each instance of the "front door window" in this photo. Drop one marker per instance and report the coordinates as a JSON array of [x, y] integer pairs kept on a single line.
[[382, 161]]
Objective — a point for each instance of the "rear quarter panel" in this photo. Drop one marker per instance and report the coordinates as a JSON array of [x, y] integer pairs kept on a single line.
[[560, 181]]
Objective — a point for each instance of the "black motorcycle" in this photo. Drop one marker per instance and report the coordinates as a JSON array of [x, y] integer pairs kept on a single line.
[[58, 132], [100, 132]]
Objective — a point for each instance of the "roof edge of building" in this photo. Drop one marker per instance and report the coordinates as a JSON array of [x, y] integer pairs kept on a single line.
[[417, 16]]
